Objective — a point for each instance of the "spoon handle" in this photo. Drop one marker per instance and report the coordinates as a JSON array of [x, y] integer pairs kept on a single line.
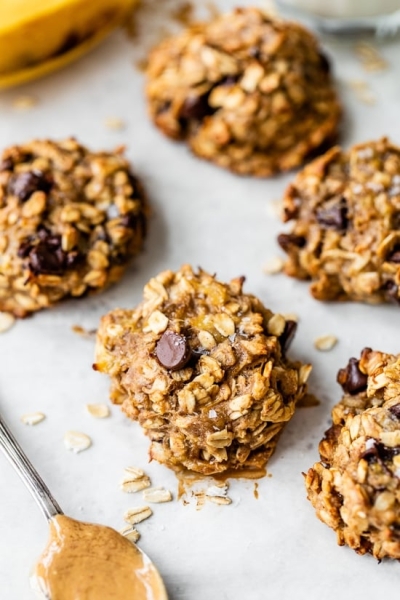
[[27, 472]]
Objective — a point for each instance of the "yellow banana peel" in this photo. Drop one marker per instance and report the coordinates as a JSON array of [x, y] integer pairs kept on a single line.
[[39, 36]]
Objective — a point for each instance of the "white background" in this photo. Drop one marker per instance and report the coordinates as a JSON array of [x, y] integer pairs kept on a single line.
[[273, 547]]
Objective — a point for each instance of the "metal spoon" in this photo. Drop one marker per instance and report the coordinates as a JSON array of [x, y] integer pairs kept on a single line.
[[48, 505]]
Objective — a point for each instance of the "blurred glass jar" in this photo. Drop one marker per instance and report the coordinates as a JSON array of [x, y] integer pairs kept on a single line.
[[347, 16]]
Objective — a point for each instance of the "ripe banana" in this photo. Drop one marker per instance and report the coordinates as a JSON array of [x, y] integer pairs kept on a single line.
[[38, 36]]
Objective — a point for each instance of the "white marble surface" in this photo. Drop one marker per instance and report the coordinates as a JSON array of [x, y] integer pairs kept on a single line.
[[273, 547]]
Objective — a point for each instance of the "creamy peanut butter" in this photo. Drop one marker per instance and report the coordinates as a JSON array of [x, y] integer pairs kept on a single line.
[[83, 561]]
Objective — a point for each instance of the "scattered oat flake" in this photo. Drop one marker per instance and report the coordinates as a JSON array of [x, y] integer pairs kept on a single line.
[[274, 208], [77, 441], [137, 514], [99, 411], [362, 91], [216, 490], [131, 534], [33, 418], [223, 500], [131, 486], [7, 320], [274, 265], [325, 343], [24, 102], [86, 333], [370, 57], [114, 123], [133, 473], [157, 495]]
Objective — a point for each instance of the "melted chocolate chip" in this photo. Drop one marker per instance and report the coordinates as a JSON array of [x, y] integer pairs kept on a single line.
[[333, 217], [196, 108], [23, 185], [352, 380], [395, 411], [173, 350], [287, 240], [287, 336]]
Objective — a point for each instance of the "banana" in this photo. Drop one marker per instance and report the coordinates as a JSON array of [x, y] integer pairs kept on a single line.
[[39, 36]]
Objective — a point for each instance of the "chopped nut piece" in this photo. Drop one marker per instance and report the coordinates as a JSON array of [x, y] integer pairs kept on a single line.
[[274, 265], [33, 418], [137, 514], [99, 411], [157, 495], [77, 441], [325, 343], [7, 320], [131, 534]]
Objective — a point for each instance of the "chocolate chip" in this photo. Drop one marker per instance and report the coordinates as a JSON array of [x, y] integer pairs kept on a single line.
[[380, 453], [24, 249], [325, 62], [72, 259], [287, 336], [287, 240], [352, 380], [228, 80], [6, 165], [43, 260], [129, 220], [395, 411], [391, 292], [23, 185], [173, 350], [394, 256], [196, 108], [333, 217]]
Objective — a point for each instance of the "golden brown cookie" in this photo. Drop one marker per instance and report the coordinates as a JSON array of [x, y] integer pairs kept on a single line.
[[70, 220], [346, 235], [355, 488], [249, 92], [202, 367]]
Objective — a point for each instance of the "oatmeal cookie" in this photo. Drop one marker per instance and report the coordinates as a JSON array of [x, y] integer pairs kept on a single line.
[[70, 220], [346, 236], [202, 367], [247, 91], [355, 488]]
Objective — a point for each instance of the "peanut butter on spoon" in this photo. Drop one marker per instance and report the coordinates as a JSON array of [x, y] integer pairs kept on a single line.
[[82, 561]]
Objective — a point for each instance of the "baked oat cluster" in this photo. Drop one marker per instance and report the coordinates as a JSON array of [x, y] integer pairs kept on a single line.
[[355, 488], [346, 237], [247, 91], [70, 220], [202, 367]]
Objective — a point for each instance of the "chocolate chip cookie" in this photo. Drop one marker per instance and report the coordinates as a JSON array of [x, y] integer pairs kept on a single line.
[[355, 488], [247, 91], [346, 236], [70, 220], [202, 367]]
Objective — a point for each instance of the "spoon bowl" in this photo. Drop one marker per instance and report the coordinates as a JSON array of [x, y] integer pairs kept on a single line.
[[82, 560]]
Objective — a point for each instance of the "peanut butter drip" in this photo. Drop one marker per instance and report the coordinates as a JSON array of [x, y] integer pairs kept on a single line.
[[83, 561]]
